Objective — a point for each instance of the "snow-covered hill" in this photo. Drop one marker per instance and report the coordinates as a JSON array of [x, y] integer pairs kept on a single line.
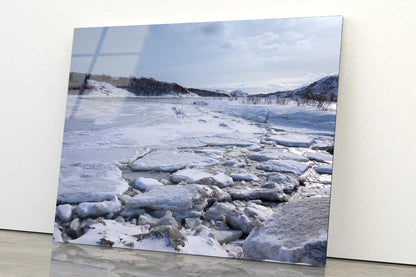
[[323, 89], [238, 93], [102, 89]]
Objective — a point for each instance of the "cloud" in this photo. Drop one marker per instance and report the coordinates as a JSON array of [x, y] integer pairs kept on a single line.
[[212, 28], [264, 42], [269, 42], [285, 35], [204, 30]]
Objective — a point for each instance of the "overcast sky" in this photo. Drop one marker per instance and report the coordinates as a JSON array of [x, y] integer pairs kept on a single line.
[[253, 55]]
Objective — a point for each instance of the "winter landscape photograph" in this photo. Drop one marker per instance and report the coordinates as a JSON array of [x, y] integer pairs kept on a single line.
[[212, 139]]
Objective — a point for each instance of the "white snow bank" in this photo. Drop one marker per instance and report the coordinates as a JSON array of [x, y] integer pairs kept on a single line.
[[126, 235], [119, 234], [202, 242], [57, 234]]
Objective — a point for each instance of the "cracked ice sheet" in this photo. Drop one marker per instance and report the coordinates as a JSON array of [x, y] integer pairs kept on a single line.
[[165, 160], [235, 139], [85, 182], [153, 123], [102, 154]]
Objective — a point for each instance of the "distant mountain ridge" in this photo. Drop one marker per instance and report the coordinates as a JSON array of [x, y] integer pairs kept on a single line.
[[325, 89]]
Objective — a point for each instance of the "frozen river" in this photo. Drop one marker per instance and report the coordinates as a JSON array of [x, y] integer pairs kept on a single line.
[[205, 176]]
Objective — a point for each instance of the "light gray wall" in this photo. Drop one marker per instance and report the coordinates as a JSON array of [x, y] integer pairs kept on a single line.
[[373, 210]]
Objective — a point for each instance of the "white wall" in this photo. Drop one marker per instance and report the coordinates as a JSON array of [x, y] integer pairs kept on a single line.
[[373, 211]]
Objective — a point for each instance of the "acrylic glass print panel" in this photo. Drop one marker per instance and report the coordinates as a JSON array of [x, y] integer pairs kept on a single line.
[[202, 138]]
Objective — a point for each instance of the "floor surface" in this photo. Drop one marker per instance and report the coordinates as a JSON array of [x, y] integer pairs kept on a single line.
[[32, 254]]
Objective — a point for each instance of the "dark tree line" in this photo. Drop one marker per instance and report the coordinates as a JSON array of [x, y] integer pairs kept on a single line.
[[151, 87]]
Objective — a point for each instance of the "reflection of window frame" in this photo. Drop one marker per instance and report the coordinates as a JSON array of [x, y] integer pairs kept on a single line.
[[97, 53]]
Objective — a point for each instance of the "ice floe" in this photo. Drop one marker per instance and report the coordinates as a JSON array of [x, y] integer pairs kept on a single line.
[[301, 239], [292, 139], [96, 209], [288, 166], [85, 182], [164, 160], [225, 236], [288, 182], [319, 156], [324, 169], [276, 155], [146, 184], [64, 212], [244, 177], [218, 210], [182, 200], [192, 175], [274, 194]]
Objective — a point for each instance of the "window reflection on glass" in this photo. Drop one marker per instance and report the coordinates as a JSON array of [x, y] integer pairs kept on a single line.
[[98, 53]]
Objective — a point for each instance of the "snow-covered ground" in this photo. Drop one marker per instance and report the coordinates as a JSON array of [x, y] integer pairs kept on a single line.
[[187, 175]]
